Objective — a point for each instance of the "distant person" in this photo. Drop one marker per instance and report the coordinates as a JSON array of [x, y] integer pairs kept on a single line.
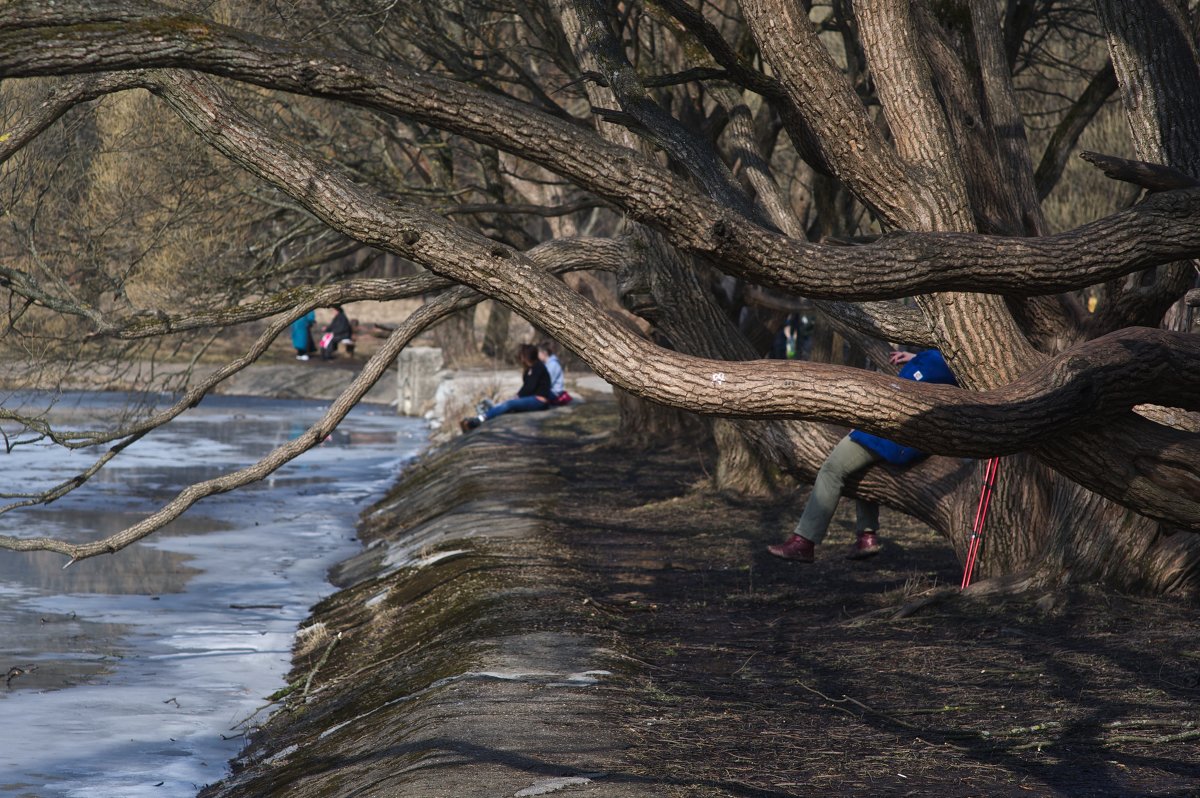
[[794, 339], [337, 331], [534, 394], [853, 453], [558, 388], [302, 339]]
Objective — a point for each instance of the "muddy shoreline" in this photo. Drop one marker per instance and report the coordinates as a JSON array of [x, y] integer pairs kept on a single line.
[[538, 610]]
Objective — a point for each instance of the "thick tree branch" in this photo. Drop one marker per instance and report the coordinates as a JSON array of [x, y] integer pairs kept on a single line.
[[1155, 232], [1150, 176], [1155, 58], [1006, 115], [976, 144], [1093, 382], [932, 174]]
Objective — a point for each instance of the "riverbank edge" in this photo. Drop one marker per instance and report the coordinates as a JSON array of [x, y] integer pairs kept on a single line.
[[448, 664]]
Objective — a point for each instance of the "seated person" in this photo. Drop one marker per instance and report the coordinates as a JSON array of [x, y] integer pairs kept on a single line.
[[534, 394], [558, 390], [856, 452], [339, 330]]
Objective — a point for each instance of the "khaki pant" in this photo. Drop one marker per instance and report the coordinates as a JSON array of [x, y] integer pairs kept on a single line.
[[846, 458]]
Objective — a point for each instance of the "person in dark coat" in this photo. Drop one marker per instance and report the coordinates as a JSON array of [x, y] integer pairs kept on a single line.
[[853, 453], [535, 393], [339, 330]]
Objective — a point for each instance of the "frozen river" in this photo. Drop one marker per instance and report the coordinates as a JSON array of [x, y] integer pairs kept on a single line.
[[143, 668]]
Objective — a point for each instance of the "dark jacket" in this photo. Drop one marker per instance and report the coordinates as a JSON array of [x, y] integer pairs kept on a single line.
[[928, 366], [536, 382], [340, 327]]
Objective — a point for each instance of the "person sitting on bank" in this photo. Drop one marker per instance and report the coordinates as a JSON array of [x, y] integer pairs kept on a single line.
[[339, 330], [558, 388], [853, 453], [534, 394]]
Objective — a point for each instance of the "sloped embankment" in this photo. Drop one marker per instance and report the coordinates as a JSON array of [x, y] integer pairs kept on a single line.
[[515, 566], [443, 668]]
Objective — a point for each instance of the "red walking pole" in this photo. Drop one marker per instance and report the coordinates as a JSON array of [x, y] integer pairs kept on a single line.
[[985, 499]]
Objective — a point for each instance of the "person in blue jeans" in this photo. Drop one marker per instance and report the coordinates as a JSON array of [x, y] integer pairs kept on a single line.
[[535, 393], [853, 453]]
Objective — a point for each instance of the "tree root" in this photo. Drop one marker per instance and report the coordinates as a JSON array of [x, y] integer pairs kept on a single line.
[[926, 598]]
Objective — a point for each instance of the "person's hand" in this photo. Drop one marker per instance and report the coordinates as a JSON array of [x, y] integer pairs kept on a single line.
[[897, 358]]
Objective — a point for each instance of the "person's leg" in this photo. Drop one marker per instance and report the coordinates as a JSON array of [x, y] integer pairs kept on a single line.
[[522, 404], [846, 458], [867, 516], [866, 525]]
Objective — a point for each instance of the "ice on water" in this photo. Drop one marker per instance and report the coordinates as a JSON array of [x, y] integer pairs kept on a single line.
[[143, 668]]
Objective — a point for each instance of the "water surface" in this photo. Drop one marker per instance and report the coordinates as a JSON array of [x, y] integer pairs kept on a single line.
[[142, 669]]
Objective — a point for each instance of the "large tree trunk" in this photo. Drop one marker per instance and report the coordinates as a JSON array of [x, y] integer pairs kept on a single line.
[[644, 425], [456, 337], [495, 336], [1073, 534], [1042, 526]]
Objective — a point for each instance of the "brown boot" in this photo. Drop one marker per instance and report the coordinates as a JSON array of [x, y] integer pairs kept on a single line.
[[867, 545], [794, 548]]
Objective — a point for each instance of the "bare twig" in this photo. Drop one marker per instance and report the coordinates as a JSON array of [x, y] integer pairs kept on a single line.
[[321, 662]]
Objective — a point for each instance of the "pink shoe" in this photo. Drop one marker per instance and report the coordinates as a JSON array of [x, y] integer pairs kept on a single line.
[[794, 548], [867, 545]]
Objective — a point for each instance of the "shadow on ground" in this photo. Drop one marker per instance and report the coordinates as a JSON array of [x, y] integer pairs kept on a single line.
[[544, 612]]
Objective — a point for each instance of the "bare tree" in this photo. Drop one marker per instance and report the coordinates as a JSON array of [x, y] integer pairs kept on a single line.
[[901, 119]]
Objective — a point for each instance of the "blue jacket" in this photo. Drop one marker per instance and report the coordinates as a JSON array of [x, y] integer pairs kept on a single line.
[[928, 366]]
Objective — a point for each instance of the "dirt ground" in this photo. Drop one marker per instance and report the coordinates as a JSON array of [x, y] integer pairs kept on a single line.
[[752, 676], [566, 615]]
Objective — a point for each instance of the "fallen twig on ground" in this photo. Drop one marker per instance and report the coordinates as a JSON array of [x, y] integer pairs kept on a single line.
[[324, 657]]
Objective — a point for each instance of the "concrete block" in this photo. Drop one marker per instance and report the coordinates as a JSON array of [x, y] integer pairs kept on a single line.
[[418, 374]]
